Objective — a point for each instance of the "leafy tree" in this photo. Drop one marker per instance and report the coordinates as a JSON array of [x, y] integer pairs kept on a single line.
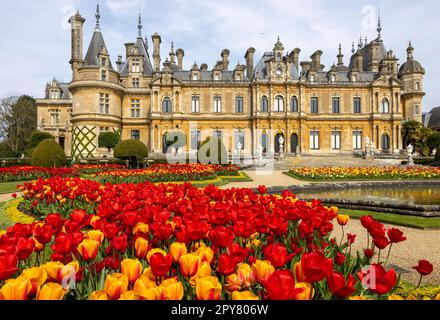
[[108, 140], [39, 136], [434, 141], [49, 154], [131, 150], [415, 134], [18, 119], [6, 151]]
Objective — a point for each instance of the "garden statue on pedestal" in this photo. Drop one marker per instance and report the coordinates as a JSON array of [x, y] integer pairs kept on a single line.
[[281, 142], [410, 150]]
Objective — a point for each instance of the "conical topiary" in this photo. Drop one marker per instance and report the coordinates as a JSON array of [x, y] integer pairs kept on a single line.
[[49, 153]]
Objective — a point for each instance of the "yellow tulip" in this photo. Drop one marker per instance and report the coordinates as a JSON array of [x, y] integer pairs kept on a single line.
[[129, 295], [88, 249], [262, 270], [16, 289], [189, 264], [171, 289], [244, 295], [141, 227], [37, 276], [149, 273], [2, 233], [38, 246], [245, 275], [334, 209], [203, 271], [132, 269], [343, 219], [98, 295], [145, 288], [95, 235], [53, 269], [51, 291], [115, 285], [208, 288], [205, 254], [153, 251], [359, 298], [233, 283], [177, 250], [395, 297], [411, 297], [308, 292], [141, 247]]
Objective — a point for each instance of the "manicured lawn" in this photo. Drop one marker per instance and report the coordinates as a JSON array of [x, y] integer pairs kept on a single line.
[[5, 222], [400, 220], [9, 187]]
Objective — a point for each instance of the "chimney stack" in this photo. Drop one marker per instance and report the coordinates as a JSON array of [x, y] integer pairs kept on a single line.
[[203, 67], [360, 61], [225, 59], [156, 51], [316, 60], [77, 25], [180, 54], [294, 57], [249, 56]]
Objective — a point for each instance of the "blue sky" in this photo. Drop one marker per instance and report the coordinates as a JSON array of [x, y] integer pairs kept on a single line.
[[35, 35]]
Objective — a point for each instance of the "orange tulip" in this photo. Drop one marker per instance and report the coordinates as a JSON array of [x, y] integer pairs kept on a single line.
[[171, 289], [99, 295], [115, 285], [233, 283], [297, 270], [141, 247], [208, 288], [146, 288], [308, 292], [177, 250], [88, 249], [141, 228], [262, 270], [95, 235], [16, 289], [245, 295], [205, 254], [129, 295], [53, 269], [51, 291], [132, 269], [38, 246], [37, 276], [189, 264], [245, 275], [343, 219], [203, 271]]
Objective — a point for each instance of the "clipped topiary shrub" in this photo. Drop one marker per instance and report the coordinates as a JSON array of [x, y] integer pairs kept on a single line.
[[108, 140], [131, 150], [49, 154], [39, 136]]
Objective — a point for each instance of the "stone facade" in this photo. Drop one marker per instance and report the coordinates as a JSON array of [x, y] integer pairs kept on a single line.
[[315, 111]]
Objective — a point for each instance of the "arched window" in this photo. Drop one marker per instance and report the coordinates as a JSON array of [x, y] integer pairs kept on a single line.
[[385, 106], [279, 104], [264, 104], [294, 104], [385, 143], [166, 105]]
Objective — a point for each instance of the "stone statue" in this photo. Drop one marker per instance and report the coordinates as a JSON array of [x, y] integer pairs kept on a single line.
[[260, 161], [410, 150], [434, 152], [281, 142]]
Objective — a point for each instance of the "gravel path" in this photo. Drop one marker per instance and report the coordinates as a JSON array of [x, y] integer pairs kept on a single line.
[[6, 197], [420, 244]]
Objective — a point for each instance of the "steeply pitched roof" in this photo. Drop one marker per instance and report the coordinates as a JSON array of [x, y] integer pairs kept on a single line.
[[261, 69], [148, 68], [433, 118], [95, 47]]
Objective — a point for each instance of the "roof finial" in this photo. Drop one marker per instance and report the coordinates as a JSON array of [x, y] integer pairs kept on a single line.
[[140, 24], [146, 41], [366, 40], [340, 56], [353, 50], [360, 45], [98, 16], [379, 26]]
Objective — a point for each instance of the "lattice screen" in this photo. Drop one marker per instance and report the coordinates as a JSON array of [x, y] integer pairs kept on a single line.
[[83, 142]]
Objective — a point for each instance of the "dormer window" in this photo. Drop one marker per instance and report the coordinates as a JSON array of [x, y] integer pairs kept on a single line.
[[135, 82], [354, 78], [54, 94], [135, 66], [333, 78], [195, 77], [217, 77], [103, 62], [238, 77]]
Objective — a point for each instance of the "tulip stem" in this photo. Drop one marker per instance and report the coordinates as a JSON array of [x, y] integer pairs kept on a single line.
[[343, 234], [389, 251]]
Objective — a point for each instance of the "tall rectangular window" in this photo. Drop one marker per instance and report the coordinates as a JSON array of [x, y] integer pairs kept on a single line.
[[336, 105], [54, 117], [264, 142], [103, 62], [314, 140], [357, 140], [135, 108], [103, 75], [217, 104], [135, 66], [135, 135], [239, 104], [357, 105], [195, 139], [104, 102], [314, 105], [135, 82], [336, 140], [239, 138], [195, 104]]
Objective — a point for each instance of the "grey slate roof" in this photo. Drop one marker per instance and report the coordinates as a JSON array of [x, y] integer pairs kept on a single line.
[[148, 68], [367, 57], [261, 70], [433, 118], [204, 75], [95, 47], [411, 66], [65, 93]]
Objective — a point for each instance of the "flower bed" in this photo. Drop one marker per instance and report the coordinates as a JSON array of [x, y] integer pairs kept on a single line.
[[168, 173], [31, 173], [94, 168], [366, 173], [173, 242]]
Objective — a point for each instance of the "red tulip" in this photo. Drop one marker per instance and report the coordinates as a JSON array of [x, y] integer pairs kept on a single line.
[[79, 216], [221, 237], [315, 266], [110, 230], [396, 235], [424, 267], [237, 252], [54, 220], [366, 221], [368, 253], [63, 244], [339, 287], [381, 242], [160, 264], [339, 259], [8, 265], [277, 255], [25, 247], [196, 230], [120, 243], [262, 189], [351, 238], [43, 233], [377, 280], [281, 286], [226, 264]]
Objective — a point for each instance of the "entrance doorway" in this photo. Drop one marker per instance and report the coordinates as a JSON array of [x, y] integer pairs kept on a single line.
[[294, 143]]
